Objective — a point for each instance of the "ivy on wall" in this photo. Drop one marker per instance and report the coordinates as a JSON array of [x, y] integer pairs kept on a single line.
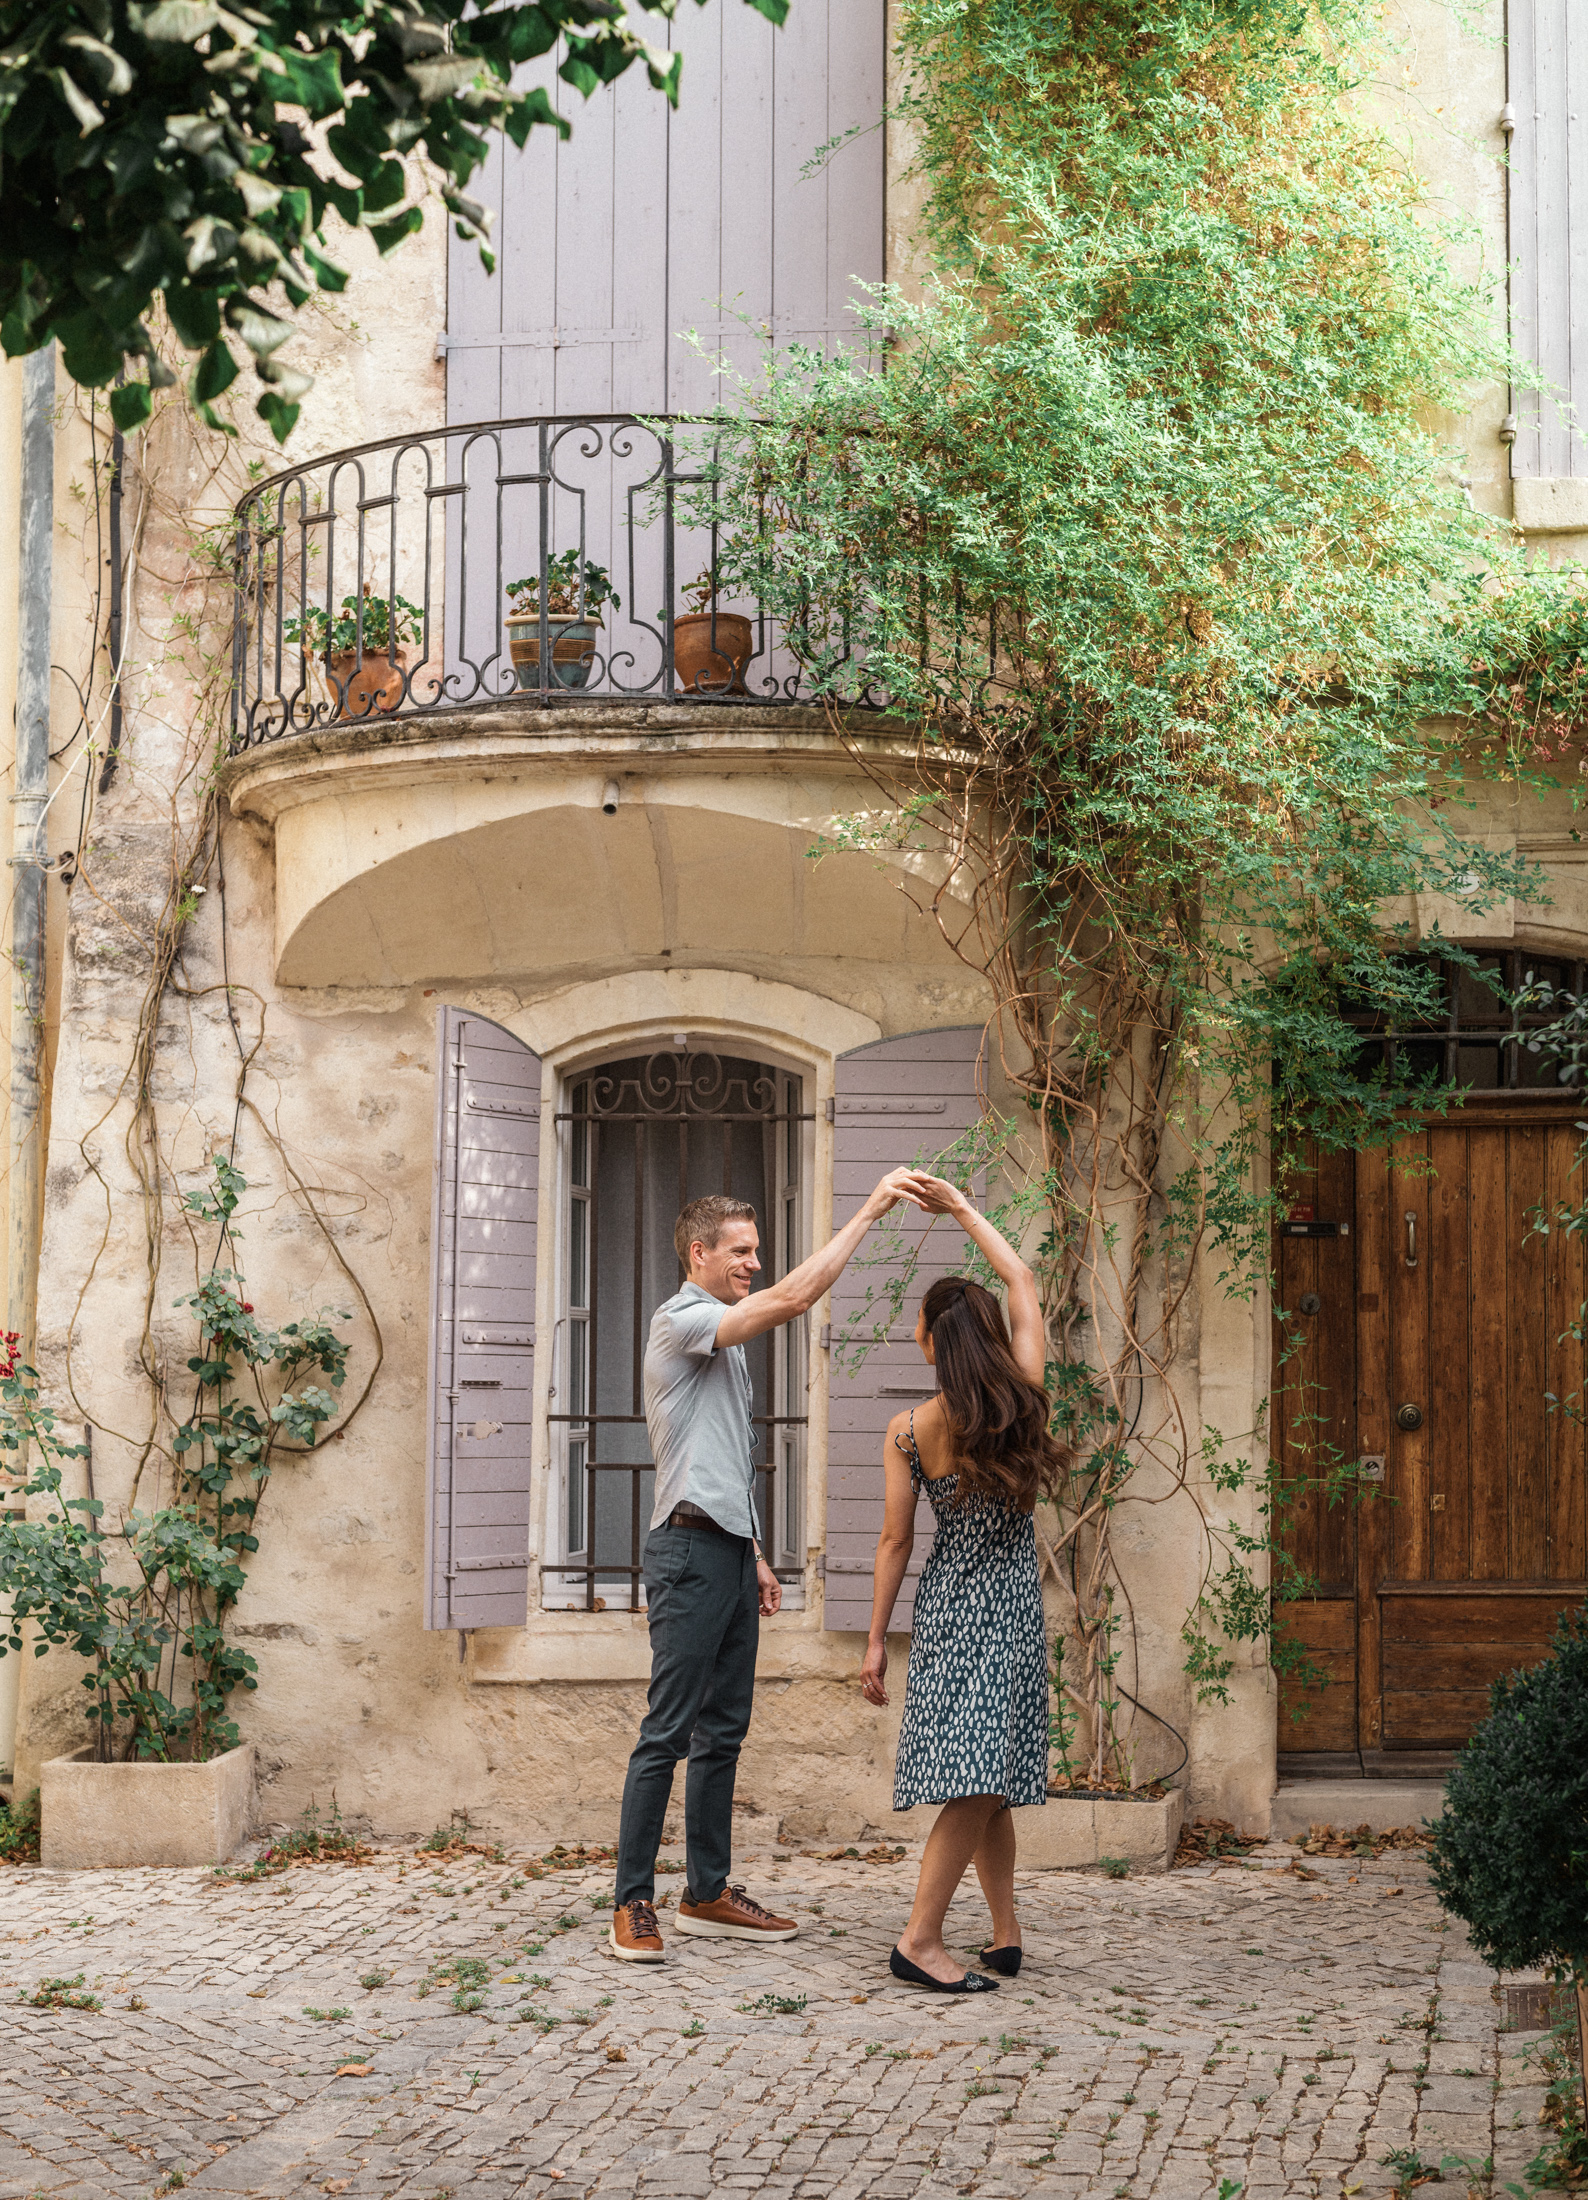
[[1144, 532], [190, 152]]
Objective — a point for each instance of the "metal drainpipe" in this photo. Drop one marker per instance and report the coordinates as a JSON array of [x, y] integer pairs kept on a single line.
[[28, 882]]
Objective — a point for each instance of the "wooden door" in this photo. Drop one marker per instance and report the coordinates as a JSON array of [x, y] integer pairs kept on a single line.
[[1420, 1336]]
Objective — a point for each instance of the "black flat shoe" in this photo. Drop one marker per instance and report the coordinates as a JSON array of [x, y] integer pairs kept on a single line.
[[913, 1975], [1005, 1961]]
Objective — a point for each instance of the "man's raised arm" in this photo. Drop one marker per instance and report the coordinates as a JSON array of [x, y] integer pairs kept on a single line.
[[799, 1290]]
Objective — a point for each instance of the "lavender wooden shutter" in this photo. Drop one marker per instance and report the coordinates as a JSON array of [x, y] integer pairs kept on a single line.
[[647, 222], [896, 1101], [482, 1324], [1547, 86]]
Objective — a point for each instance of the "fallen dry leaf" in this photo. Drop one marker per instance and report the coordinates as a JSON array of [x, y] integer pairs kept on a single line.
[[355, 2070], [336, 2184], [1388, 1891], [257, 1993], [616, 2054], [859, 1997]]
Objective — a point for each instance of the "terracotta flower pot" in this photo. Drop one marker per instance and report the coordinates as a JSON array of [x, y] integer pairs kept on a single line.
[[371, 687], [573, 648], [709, 656]]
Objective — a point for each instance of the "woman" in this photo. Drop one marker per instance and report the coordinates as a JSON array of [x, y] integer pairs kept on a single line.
[[975, 1730]]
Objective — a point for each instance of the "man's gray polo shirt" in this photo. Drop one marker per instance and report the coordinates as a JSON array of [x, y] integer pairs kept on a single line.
[[698, 1403]]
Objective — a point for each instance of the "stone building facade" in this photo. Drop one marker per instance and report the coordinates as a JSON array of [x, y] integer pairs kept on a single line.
[[613, 893]]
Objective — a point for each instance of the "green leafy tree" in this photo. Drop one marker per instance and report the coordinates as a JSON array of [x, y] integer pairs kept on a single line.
[[190, 152], [1144, 534]]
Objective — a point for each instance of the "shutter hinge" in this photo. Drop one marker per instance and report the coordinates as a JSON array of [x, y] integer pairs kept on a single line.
[[826, 1339], [832, 1110], [821, 1567]]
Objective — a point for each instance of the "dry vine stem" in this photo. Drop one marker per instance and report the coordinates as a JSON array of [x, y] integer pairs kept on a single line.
[[147, 902]]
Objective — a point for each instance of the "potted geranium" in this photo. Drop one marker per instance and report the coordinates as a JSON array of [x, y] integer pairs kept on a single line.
[[1510, 1855], [574, 598], [368, 666], [711, 648]]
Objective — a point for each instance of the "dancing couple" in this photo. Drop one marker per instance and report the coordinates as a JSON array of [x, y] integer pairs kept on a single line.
[[975, 1726]]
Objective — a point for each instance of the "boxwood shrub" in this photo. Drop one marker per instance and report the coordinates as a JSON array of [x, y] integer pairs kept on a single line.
[[1510, 1855]]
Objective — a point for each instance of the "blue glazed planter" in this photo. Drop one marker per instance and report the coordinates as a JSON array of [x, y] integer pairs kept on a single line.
[[572, 649]]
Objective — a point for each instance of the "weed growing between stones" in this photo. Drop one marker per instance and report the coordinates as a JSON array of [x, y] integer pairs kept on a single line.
[[60, 1993], [312, 1841], [19, 1831]]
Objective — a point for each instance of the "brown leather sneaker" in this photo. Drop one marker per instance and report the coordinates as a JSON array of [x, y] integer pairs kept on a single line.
[[733, 1916], [634, 1934]]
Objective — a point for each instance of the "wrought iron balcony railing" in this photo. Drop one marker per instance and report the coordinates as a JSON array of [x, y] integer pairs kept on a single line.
[[562, 560]]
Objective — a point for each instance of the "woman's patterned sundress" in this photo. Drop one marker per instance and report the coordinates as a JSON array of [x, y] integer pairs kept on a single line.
[[976, 1701]]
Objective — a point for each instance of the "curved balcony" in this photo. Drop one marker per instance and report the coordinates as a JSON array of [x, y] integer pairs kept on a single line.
[[549, 563]]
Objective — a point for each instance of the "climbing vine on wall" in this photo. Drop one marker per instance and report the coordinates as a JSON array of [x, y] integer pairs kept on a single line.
[[144, 1597], [1143, 533], [143, 1530]]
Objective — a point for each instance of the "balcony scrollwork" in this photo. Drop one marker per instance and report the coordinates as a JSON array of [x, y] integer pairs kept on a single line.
[[550, 561]]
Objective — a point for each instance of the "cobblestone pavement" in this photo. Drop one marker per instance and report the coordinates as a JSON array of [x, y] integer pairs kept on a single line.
[[1235, 2029]]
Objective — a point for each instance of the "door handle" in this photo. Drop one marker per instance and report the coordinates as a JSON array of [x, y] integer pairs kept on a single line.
[[1408, 1417], [1411, 1239]]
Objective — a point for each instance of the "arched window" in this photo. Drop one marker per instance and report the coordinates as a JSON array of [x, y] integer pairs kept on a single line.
[[639, 1138]]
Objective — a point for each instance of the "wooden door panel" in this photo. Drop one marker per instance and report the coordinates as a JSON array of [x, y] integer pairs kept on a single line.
[[1315, 1443], [1314, 1413], [1320, 1718], [1408, 1298], [1458, 1566], [1444, 1281], [1460, 1576], [1523, 1492], [1443, 1652], [1565, 1512]]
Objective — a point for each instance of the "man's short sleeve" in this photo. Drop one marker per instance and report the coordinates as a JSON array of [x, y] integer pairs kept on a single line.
[[692, 1328]]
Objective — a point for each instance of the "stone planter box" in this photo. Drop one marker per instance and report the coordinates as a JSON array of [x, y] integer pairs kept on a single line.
[[96, 1817], [1069, 1832]]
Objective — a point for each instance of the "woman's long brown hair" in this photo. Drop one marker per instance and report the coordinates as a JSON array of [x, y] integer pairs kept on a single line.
[[997, 1420]]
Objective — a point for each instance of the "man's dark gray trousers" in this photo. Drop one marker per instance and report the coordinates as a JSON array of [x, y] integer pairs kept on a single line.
[[705, 1626]]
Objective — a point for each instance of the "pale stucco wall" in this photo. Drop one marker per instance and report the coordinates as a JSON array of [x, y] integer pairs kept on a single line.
[[363, 887]]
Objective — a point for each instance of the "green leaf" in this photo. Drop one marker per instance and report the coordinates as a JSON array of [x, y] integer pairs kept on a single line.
[[775, 11], [130, 405], [444, 77], [85, 113], [326, 272], [195, 314], [388, 235], [262, 332], [385, 187], [279, 415], [174, 22], [216, 371], [107, 67]]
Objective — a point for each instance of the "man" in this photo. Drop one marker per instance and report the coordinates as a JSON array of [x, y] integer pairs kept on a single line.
[[706, 1581]]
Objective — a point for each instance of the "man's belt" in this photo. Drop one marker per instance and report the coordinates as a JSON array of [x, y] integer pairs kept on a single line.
[[691, 1516]]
